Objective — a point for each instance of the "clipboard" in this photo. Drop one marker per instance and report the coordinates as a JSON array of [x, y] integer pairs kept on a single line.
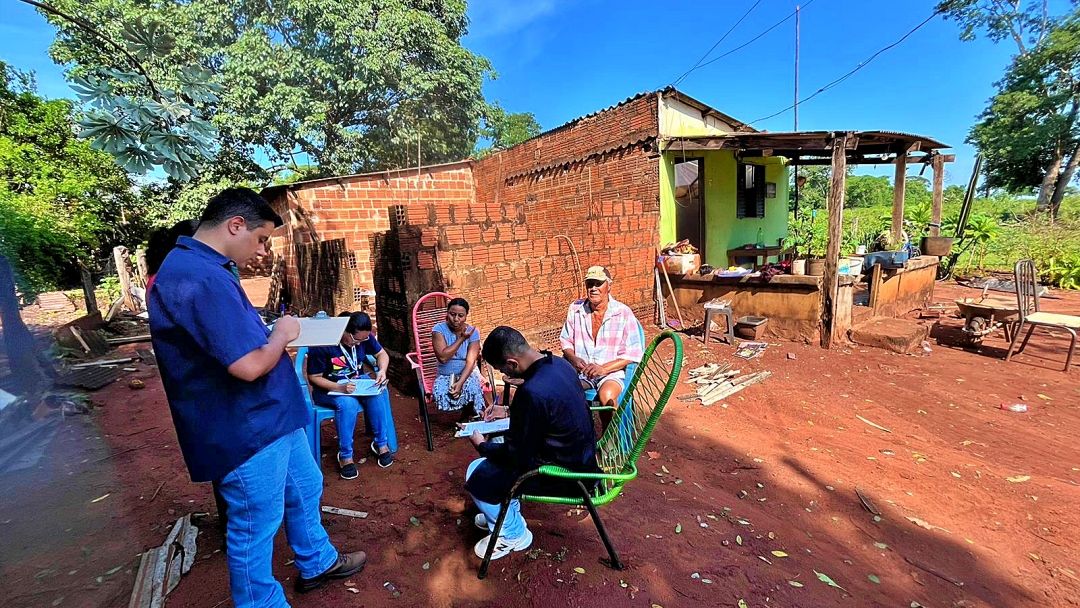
[[495, 426], [365, 387], [320, 332]]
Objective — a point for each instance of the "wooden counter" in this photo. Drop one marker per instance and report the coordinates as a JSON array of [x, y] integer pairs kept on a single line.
[[793, 304]]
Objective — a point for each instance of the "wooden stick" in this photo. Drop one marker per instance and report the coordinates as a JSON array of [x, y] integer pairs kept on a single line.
[[119, 453], [671, 290], [944, 577], [876, 426], [162, 485]]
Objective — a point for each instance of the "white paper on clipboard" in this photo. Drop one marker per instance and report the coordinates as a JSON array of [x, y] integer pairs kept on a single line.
[[320, 332], [495, 426]]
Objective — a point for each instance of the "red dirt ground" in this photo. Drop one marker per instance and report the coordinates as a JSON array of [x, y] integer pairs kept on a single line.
[[793, 444]]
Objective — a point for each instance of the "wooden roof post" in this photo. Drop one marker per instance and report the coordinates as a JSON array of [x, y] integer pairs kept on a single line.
[[899, 185], [938, 164], [831, 281]]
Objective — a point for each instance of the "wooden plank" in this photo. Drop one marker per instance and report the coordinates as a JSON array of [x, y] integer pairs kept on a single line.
[[875, 288], [345, 512], [88, 289], [939, 182], [831, 280], [129, 340], [899, 186]]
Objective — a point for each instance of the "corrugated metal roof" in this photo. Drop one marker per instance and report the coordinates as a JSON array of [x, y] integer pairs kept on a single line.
[[778, 140]]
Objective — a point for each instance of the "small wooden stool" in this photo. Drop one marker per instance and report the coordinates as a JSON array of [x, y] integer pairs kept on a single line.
[[729, 319]]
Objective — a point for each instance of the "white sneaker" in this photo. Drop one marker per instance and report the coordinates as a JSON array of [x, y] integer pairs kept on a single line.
[[504, 546], [481, 522]]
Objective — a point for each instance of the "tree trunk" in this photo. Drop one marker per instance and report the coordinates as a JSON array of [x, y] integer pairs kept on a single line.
[[19, 344], [1046, 189], [123, 271], [1062, 185]]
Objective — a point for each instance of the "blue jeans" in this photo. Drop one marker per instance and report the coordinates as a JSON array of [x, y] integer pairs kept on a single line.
[[513, 525], [280, 480], [377, 410]]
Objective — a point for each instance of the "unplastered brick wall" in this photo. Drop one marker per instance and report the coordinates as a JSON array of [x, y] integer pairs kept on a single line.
[[593, 183], [355, 208]]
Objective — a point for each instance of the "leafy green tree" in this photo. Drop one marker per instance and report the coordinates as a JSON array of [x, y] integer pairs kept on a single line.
[[60, 200], [506, 129], [868, 191], [1029, 134], [347, 86], [1024, 23], [814, 193]]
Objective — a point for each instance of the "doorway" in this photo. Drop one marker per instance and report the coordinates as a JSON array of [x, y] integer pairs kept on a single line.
[[690, 202]]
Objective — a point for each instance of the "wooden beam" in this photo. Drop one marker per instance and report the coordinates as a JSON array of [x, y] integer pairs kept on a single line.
[[864, 159], [88, 288], [899, 185], [938, 164], [831, 280]]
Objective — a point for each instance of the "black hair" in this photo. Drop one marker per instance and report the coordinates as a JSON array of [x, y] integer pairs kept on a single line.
[[502, 343], [163, 240], [358, 321], [242, 202], [459, 302]]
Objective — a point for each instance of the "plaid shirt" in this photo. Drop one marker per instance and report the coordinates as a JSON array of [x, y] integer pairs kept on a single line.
[[618, 337]]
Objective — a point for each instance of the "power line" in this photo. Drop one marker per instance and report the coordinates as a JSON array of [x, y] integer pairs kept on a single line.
[[711, 49], [849, 74], [754, 39]]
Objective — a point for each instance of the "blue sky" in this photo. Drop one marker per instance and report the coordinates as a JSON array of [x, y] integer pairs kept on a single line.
[[564, 58]]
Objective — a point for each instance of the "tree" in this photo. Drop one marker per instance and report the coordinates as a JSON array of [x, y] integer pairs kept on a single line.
[[1030, 132], [506, 129], [60, 200], [348, 86], [1025, 23], [814, 193], [868, 191]]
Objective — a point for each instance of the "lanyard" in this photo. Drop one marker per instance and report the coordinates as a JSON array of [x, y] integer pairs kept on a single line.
[[350, 360]]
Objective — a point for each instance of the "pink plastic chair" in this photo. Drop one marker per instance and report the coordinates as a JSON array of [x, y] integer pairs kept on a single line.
[[429, 311]]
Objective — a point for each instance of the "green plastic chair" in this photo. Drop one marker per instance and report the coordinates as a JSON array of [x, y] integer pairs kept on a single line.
[[618, 449]]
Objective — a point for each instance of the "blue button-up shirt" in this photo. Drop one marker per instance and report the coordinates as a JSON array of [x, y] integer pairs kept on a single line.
[[201, 322]]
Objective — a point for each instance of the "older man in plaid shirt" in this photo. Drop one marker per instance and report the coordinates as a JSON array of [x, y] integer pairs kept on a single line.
[[600, 338]]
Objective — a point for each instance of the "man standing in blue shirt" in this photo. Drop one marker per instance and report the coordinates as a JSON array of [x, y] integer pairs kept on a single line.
[[236, 401], [550, 423]]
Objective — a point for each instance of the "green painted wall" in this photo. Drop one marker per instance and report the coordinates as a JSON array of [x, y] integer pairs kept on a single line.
[[723, 230]]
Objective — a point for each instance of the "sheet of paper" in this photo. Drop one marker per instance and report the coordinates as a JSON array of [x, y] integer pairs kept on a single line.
[[495, 426], [365, 387], [320, 332]]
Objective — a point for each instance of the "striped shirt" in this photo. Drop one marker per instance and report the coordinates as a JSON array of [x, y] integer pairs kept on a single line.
[[618, 338]]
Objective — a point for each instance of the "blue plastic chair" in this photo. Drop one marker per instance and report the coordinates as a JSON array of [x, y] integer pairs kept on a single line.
[[320, 414]]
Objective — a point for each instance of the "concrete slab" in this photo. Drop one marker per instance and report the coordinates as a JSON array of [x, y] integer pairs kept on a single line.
[[897, 335]]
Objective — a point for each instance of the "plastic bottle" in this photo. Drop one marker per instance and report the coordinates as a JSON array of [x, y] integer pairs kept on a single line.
[[760, 237], [1016, 407]]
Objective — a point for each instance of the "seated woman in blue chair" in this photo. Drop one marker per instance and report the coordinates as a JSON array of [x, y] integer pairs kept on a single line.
[[335, 369]]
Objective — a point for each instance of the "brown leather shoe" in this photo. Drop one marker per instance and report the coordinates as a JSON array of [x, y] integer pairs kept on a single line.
[[347, 565]]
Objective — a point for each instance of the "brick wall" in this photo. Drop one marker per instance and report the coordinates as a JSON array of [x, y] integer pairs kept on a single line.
[[497, 231], [594, 181], [355, 209]]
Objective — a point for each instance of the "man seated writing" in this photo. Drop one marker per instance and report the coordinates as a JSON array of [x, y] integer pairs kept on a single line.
[[600, 338], [550, 423]]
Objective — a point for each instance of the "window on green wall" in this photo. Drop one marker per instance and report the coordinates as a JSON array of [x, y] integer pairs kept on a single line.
[[750, 191]]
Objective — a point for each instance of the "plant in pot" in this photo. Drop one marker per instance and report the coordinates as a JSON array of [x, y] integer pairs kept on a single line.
[[799, 235]]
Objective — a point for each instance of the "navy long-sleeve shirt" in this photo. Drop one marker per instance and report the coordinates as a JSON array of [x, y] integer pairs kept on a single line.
[[550, 422]]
